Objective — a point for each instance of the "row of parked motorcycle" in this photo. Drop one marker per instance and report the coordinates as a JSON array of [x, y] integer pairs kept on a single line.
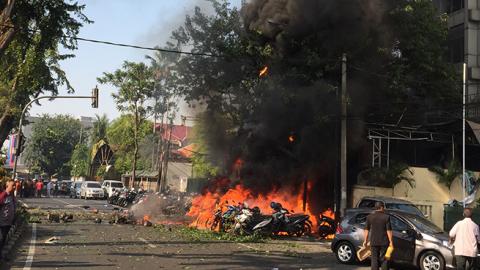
[[242, 220], [125, 197]]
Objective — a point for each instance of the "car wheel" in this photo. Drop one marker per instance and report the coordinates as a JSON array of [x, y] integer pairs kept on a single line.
[[431, 260], [345, 253]]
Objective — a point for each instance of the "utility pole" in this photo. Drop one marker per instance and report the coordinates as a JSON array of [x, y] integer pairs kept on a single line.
[[166, 156], [463, 132], [343, 139]]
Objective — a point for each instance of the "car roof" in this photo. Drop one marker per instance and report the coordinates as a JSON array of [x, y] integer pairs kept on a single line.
[[386, 199], [353, 211], [112, 181]]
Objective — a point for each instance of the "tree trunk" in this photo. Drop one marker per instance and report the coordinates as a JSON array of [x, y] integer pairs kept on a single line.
[[6, 27], [135, 140], [6, 125]]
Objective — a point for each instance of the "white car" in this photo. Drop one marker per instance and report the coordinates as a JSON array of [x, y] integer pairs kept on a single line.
[[91, 189], [109, 186]]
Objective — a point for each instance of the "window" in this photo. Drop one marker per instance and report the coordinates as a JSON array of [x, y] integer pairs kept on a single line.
[[398, 225], [93, 185], [456, 50], [454, 5], [360, 219], [117, 185], [367, 204], [409, 208]]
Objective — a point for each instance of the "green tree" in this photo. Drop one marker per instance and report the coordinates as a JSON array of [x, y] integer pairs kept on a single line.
[[79, 162], [29, 55], [135, 83], [448, 175], [51, 144], [99, 129], [120, 135]]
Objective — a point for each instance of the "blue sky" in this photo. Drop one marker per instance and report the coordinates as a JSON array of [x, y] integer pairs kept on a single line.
[[142, 22]]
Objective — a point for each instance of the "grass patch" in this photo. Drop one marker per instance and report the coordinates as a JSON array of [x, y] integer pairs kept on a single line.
[[197, 235]]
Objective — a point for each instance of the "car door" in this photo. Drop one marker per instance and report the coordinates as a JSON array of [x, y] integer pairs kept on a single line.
[[403, 240], [357, 228]]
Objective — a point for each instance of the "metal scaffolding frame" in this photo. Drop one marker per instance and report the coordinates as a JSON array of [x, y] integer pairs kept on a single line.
[[381, 136]]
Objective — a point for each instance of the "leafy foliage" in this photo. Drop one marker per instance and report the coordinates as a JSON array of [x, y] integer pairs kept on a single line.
[[79, 162], [388, 177], [448, 175], [120, 138], [30, 63], [99, 129], [52, 143], [135, 83]]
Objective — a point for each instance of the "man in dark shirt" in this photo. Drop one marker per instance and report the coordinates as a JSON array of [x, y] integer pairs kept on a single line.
[[7, 211], [379, 230]]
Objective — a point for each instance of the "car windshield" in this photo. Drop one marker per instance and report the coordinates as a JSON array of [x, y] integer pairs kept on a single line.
[[77, 185], [409, 208], [117, 184], [424, 225], [93, 185]]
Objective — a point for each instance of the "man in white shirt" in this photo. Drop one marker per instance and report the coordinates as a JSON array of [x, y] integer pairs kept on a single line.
[[465, 235]]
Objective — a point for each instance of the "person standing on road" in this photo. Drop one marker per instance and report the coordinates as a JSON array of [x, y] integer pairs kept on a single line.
[[7, 211], [38, 188], [49, 189], [465, 235], [18, 188], [379, 230]]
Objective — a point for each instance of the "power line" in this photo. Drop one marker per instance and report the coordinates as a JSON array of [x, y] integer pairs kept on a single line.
[[123, 44]]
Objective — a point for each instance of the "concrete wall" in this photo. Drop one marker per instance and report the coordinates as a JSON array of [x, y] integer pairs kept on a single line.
[[428, 194]]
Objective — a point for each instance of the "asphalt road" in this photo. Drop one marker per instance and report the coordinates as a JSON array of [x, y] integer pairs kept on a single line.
[[85, 245]]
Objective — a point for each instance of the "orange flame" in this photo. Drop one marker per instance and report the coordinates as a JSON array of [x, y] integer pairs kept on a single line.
[[263, 71], [146, 218], [291, 138], [204, 205]]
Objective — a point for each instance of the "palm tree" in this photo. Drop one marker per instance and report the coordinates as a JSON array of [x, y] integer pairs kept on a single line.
[[99, 130], [447, 176]]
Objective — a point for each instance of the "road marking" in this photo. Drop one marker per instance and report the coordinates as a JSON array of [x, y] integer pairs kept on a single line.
[[146, 242], [31, 250]]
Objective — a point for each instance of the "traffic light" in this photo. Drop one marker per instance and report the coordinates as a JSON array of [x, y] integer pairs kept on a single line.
[[95, 97], [20, 144]]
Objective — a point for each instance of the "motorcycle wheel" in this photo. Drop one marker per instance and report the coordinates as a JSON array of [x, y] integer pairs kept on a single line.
[[324, 231]]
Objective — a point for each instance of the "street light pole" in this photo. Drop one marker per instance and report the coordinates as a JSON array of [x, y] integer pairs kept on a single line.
[[463, 132], [19, 131], [343, 139]]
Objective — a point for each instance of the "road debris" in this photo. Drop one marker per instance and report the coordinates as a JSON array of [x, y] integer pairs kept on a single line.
[[52, 240]]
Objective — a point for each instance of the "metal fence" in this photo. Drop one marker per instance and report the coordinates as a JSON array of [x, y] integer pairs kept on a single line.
[[452, 214]]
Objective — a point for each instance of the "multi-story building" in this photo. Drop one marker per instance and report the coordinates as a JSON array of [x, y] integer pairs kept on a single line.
[[464, 45]]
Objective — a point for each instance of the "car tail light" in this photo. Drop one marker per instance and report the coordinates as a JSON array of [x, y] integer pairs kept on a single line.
[[339, 228]]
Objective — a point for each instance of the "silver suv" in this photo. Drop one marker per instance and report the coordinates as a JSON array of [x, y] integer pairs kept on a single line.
[[417, 241]]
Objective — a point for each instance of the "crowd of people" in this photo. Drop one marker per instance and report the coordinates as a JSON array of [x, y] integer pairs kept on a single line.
[[35, 188]]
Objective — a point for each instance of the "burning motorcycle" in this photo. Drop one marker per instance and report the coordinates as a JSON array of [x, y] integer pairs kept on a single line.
[[282, 222], [246, 220], [326, 226]]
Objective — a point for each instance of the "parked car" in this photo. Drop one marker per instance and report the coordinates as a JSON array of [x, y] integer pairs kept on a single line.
[[390, 203], [417, 240], [75, 189], [91, 189], [109, 186]]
